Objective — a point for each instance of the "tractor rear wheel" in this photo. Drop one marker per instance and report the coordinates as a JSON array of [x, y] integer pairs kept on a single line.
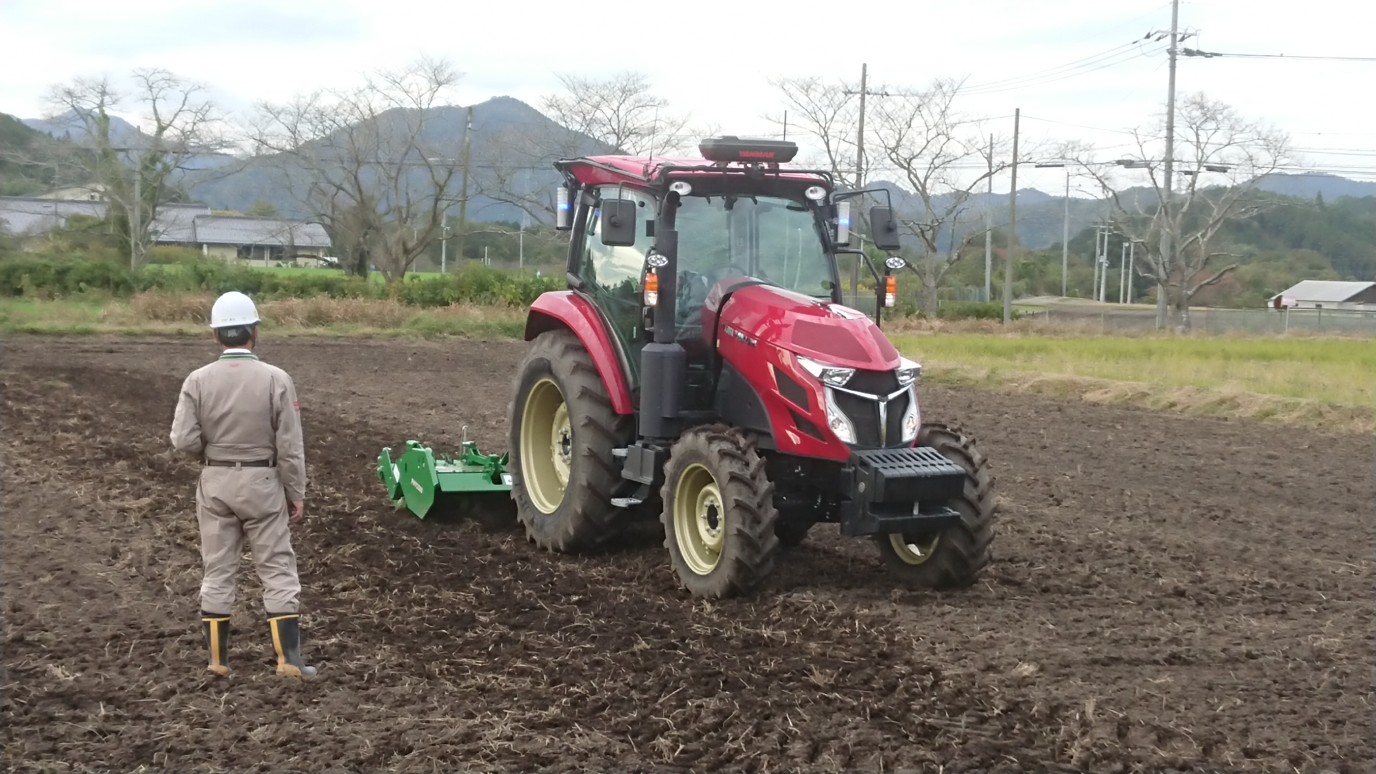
[[563, 433], [719, 516], [956, 556]]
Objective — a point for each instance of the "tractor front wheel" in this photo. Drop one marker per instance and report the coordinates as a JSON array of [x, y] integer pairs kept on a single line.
[[719, 516], [563, 433], [956, 556]]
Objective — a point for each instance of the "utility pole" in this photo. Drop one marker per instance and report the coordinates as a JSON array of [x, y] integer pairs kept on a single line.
[[860, 130], [444, 244], [1123, 275], [134, 215], [989, 227], [1132, 254], [463, 197], [1103, 272], [1167, 233], [1101, 233], [1012, 226], [1065, 235], [859, 171]]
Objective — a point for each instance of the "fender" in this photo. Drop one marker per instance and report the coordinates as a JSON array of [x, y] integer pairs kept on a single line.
[[566, 309]]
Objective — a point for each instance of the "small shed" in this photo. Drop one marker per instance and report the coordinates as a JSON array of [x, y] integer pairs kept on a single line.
[[1327, 294]]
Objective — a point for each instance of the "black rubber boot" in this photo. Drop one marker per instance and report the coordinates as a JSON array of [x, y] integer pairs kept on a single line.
[[286, 640], [215, 628]]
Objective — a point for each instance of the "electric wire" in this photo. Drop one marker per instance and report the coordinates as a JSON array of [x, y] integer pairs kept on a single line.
[[1194, 52], [1135, 52]]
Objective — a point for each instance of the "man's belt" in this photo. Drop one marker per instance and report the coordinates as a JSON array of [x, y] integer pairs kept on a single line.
[[250, 464]]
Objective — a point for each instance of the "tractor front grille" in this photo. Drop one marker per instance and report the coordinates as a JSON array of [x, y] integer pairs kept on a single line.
[[878, 422]]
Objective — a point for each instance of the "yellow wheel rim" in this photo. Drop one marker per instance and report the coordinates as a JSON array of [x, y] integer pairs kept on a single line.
[[546, 446], [912, 550], [699, 519]]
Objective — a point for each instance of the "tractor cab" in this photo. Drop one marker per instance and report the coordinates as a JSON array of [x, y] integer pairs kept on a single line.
[[735, 218]]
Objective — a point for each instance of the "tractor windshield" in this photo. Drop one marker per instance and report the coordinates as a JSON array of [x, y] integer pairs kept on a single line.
[[769, 238]]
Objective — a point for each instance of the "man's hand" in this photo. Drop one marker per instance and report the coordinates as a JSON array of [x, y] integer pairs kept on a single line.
[[298, 511]]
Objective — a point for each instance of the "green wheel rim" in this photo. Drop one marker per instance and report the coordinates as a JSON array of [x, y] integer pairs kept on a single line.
[[915, 550], [546, 446], [699, 519]]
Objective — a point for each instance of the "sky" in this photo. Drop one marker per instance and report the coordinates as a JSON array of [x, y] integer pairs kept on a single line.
[[1076, 69]]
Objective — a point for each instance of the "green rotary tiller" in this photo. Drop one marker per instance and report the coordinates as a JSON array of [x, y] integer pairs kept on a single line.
[[471, 484]]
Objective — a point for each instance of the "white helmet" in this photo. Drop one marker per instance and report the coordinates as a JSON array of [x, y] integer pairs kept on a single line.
[[233, 309]]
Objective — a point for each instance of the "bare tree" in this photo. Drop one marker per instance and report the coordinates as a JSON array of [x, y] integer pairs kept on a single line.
[[136, 172], [828, 113], [617, 114], [621, 111], [367, 163], [1211, 140], [516, 160], [942, 157]]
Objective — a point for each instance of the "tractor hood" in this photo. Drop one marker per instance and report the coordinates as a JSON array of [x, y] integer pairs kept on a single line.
[[821, 330]]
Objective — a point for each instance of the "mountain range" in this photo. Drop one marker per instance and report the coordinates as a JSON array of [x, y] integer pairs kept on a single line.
[[224, 182]]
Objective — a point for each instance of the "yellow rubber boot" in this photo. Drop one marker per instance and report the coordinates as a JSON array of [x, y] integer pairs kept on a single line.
[[286, 640], [216, 631]]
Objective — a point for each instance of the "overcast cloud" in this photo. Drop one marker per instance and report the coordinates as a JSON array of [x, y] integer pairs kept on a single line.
[[252, 50]]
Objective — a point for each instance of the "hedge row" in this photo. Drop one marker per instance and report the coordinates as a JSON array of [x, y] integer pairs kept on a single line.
[[475, 284]]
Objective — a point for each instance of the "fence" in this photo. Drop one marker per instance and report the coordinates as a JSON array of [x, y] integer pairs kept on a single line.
[[1341, 322]]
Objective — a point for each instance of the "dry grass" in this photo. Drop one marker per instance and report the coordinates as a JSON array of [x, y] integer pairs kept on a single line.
[[185, 313], [1228, 402]]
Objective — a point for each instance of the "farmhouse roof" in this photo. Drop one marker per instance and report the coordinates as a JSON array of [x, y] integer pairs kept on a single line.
[[29, 216], [238, 230], [1325, 291]]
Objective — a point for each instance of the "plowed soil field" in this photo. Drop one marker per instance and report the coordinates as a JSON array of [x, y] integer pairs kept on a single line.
[[1167, 594]]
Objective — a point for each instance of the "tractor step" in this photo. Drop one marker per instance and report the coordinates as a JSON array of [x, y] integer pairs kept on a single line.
[[418, 479]]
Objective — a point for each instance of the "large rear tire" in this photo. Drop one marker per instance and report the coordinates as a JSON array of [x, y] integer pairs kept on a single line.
[[719, 516], [563, 433], [956, 556]]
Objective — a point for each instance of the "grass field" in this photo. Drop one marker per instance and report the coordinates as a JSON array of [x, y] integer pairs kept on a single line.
[[153, 313], [1307, 381], [1310, 381]]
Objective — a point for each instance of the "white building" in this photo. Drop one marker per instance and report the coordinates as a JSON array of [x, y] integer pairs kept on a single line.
[[1327, 294]]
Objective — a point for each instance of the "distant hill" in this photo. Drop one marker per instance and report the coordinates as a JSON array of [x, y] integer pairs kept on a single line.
[[28, 158], [495, 123], [1041, 216], [70, 127], [1314, 184], [238, 184]]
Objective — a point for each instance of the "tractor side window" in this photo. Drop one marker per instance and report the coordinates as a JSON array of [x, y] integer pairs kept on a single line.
[[617, 268]]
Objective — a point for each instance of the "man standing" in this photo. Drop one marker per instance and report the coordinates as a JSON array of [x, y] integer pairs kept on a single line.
[[240, 416]]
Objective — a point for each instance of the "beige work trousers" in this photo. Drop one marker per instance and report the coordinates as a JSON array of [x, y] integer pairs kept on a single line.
[[233, 504]]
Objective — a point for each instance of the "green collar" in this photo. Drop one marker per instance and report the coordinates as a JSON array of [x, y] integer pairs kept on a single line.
[[238, 356]]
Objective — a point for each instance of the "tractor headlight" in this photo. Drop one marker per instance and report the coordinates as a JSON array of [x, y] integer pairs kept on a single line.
[[836, 377], [912, 417], [908, 372], [839, 423]]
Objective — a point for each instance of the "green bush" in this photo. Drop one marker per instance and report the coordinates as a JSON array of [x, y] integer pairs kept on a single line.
[[44, 278], [473, 284]]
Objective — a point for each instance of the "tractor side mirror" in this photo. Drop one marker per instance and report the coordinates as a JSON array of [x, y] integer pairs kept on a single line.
[[618, 222], [884, 229]]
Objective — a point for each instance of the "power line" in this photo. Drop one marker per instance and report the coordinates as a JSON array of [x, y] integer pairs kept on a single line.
[[1081, 126], [1084, 61], [1212, 54], [1014, 84]]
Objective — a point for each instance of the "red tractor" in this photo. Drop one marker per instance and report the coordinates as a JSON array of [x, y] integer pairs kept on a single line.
[[702, 367]]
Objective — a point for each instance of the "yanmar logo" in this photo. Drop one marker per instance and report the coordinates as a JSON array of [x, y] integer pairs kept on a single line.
[[740, 335], [758, 154]]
